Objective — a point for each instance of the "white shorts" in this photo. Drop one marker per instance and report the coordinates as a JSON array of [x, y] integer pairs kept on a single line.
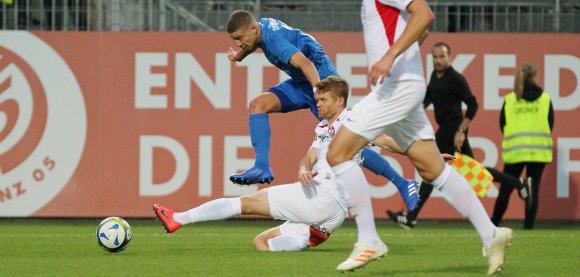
[[394, 108], [320, 202]]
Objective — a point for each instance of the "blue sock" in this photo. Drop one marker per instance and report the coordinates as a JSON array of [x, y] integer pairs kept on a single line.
[[260, 136], [374, 162]]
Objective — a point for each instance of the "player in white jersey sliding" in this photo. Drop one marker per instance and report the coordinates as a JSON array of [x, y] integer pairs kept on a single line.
[[394, 106], [313, 207]]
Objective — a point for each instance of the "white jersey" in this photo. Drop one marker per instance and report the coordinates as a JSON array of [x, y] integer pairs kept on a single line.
[[323, 201], [325, 132], [383, 23]]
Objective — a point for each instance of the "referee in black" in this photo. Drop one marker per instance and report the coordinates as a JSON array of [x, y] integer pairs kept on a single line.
[[447, 89]]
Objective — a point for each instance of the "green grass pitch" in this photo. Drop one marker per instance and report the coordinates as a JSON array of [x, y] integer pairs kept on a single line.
[[69, 248]]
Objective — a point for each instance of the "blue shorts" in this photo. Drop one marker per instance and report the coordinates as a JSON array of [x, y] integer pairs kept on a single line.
[[295, 96]]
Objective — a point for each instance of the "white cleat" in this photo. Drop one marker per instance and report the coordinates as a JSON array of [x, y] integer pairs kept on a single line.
[[361, 255], [495, 253]]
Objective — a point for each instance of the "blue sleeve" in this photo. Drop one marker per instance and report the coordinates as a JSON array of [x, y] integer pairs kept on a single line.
[[280, 46]]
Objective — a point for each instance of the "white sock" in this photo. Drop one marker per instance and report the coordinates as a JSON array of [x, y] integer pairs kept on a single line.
[[358, 198], [213, 210], [289, 243], [365, 224], [459, 194]]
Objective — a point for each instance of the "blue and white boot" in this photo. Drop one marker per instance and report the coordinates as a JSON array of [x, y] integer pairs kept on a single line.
[[254, 175]]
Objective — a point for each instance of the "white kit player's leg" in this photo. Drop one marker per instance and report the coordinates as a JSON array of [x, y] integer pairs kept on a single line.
[[457, 192], [289, 243], [358, 199], [294, 236], [361, 255], [495, 252], [320, 202], [369, 246], [255, 204], [290, 236], [213, 210], [313, 213]]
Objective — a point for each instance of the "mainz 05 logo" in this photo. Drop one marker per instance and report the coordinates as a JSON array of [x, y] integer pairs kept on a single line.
[[43, 123]]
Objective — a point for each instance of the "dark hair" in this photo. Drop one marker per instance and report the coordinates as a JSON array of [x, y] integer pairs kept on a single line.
[[239, 19], [338, 86], [443, 44]]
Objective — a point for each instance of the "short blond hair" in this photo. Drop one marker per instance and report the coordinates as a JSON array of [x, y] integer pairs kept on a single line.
[[338, 87]]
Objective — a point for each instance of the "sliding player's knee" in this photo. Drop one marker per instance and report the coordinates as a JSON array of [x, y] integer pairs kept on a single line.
[[261, 243], [248, 204], [256, 204]]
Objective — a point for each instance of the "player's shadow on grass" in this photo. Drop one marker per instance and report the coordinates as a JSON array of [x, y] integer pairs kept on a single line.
[[323, 250], [404, 249], [469, 270]]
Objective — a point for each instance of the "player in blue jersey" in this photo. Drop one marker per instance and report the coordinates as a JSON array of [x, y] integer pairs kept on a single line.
[[303, 59]]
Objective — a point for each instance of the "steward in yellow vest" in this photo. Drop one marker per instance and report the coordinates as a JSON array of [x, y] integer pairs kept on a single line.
[[527, 131], [526, 121]]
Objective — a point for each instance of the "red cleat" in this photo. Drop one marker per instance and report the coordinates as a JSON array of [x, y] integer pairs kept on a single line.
[[318, 235], [166, 216]]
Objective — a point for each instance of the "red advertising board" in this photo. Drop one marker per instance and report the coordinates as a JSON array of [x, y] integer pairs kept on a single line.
[[107, 123]]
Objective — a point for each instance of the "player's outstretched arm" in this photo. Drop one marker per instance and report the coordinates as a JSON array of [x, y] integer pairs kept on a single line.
[[305, 174], [300, 61]]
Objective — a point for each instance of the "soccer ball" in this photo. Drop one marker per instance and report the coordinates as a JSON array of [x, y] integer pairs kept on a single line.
[[114, 234]]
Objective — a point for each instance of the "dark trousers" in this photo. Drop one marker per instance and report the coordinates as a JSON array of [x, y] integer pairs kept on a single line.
[[533, 170]]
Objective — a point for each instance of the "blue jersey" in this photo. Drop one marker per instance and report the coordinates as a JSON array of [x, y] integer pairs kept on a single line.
[[280, 42]]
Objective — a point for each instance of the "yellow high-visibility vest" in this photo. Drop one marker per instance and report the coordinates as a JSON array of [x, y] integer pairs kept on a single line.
[[526, 134]]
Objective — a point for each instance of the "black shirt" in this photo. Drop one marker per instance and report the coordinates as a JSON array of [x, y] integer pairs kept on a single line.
[[446, 94]]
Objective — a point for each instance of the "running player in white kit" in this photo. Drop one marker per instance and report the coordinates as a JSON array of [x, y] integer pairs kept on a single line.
[[314, 206], [394, 106]]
